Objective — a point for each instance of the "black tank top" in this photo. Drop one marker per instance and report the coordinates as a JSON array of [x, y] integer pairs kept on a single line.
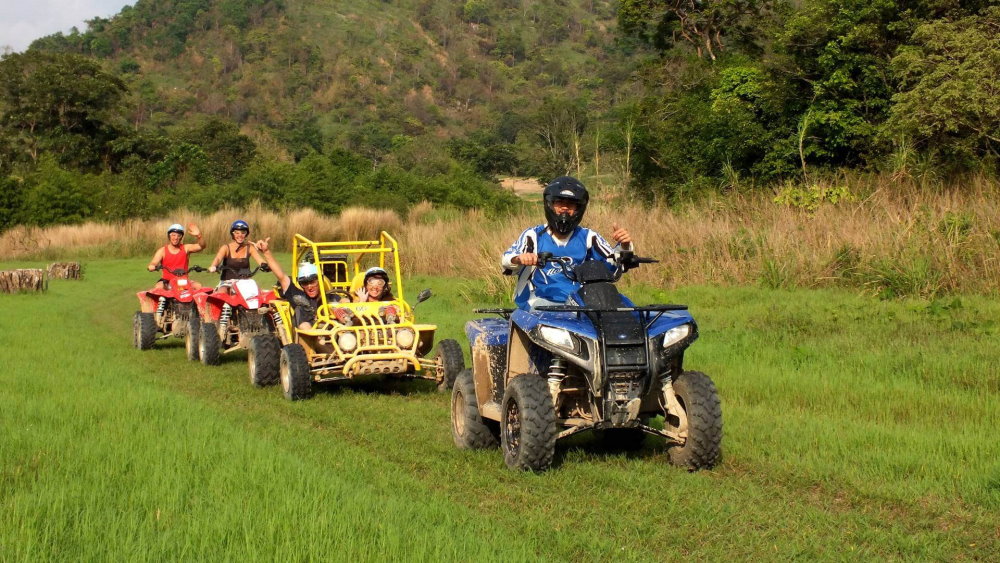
[[236, 268]]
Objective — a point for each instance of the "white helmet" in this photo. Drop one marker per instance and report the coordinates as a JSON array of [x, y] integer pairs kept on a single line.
[[307, 273], [175, 228]]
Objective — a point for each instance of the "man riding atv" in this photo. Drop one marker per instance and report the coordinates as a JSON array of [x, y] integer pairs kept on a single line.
[[304, 294], [566, 202], [577, 355]]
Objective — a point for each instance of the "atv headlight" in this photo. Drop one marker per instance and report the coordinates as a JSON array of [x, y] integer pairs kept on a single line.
[[675, 335], [558, 337], [404, 337], [347, 341]]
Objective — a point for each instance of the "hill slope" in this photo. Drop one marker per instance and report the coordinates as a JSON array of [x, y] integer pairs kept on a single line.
[[366, 74]]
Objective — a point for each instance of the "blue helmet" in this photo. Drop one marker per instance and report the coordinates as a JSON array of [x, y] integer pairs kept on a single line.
[[239, 225]]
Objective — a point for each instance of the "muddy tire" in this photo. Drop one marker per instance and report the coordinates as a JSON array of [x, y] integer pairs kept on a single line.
[[208, 344], [264, 360], [528, 424], [296, 382], [143, 330], [698, 397], [468, 428], [191, 338], [450, 363]]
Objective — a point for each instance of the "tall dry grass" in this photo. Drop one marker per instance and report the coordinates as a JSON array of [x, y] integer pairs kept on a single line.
[[891, 238]]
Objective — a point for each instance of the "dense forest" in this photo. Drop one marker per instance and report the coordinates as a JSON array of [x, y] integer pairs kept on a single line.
[[303, 103]]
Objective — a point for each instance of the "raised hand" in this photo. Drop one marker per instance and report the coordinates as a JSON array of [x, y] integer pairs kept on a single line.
[[263, 245], [193, 230], [620, 235]]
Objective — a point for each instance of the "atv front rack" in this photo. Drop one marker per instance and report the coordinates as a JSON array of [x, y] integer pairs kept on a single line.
[[646, 310]]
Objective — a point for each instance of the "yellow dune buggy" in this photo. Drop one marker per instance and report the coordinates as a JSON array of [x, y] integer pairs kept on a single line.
[[351, 339]]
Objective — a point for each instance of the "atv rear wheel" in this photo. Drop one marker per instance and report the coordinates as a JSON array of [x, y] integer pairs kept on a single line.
[[468, 428], [264, 360], [208, 344], [700, 401], [294, 370], [528, 424], [450, 363], [143, 330], [191, 338]]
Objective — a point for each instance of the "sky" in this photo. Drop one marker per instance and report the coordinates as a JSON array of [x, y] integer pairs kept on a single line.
[[23, 21]]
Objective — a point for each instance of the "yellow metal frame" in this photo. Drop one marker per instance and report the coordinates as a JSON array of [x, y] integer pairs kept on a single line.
[[376, 350]]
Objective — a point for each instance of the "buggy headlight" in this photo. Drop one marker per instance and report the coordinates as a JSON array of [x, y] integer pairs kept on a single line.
[[557, 337], [675, 335], [347, 341], [404, 337]]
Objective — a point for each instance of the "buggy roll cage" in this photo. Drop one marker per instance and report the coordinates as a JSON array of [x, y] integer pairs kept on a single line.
[[346, 258]]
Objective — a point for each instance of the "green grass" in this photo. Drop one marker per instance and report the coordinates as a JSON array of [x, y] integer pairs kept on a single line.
[[854, 428]]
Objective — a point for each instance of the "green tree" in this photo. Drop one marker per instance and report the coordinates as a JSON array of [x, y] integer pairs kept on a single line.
[[55, 195], [62, 104], [950, 88], [706, 25], [227, 151], [10, 202]]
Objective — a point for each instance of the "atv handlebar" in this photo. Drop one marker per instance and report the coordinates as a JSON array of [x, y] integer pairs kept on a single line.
[[263, 267], [179, 271], [626, 260]]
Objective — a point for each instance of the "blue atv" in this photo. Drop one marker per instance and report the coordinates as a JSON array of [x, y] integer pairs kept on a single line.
[[605, 365]]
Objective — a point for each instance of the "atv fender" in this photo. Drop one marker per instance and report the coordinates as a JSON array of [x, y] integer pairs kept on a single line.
[[147, 303], [519, 355]]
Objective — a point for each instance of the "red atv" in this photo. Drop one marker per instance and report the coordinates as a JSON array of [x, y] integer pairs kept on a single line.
[[166, 311], [228, 318]]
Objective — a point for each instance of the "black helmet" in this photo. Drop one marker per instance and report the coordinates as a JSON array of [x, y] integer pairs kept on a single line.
[[376, 272], [570, 189], [239, 225]]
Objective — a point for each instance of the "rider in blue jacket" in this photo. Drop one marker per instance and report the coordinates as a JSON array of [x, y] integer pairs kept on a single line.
[[565, 200]]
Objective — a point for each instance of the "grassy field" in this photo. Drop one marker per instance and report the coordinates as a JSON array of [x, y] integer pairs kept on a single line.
[[855, 428]]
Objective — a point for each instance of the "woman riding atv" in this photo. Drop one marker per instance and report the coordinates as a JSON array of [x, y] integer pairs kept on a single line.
[[234, 257], [565, 200], [375, 287], [174, 256]]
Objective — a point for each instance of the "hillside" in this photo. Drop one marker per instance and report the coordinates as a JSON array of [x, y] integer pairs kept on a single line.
[[366, 75]]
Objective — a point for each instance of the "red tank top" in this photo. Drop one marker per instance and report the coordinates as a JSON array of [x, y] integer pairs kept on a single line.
[[177, 261]]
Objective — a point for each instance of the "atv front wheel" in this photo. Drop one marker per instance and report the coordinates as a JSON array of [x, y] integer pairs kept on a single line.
[[143, 330], [468, 428], [450, 363], [191, 338], [294, 371], [528, 424], [263, 358], [208, 344], [700, 402]]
